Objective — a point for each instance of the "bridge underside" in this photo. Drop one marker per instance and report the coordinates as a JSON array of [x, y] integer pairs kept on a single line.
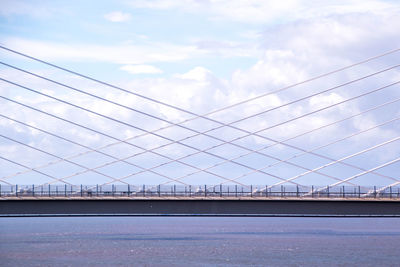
[[198, 207]]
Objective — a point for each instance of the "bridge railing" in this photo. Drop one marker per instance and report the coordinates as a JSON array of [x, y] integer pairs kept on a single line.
[[233, 191]]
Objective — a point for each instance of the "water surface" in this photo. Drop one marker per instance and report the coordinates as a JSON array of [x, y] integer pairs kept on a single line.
[[199, 241]]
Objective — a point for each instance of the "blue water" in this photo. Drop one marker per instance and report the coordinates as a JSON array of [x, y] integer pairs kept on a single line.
[[199, 241]]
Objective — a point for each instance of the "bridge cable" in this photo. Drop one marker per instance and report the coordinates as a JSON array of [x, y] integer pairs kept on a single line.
[[346, 157], [360, 174], [314, 149], [114, 119], [189, 112], [288, 139], [53, 97], [328, 158], [192, 129], [104, 134], [53, 155], [325, 157], [42, 173], [198, 133], [319, 128], [81, 145]]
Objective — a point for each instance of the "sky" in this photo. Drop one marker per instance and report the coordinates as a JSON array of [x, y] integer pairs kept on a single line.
[[201, 56]]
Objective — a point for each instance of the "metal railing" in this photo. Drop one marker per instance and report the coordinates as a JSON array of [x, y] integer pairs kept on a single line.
[[233, 191]]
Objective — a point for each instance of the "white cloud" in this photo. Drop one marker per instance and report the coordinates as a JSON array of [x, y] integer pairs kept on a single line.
[[118, 16], [291, 52], [20, 7], [197, 74], [254, 11], [141, 69], [120, 53]]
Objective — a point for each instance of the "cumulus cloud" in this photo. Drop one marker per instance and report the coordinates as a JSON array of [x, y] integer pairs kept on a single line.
[[319, 40], [141, 69], [254, 11], [20, 7], [117, 16], [119, 53]]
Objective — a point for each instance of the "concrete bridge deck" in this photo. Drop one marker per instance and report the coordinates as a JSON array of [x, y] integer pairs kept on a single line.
[[199, 206]]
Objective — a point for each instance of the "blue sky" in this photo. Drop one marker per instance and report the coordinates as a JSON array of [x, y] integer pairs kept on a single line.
[[119, 23], [201, 56]]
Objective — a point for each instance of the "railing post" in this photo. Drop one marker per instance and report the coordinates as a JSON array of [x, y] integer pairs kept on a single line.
[[33, 190], [327, 191], [41, 190], [343, 193], [228, 190], [359, 191], [159, 190], [129, 190], [97, 190], [56, 190], [190, 190], [205, 190], [220, 190], [16, 190], [0, 190], [144, 190], [251, 190], [81, 190], [174, 190], [374, 191], [282, 191], [266, 191], [390, 190], [235, 190], [312, 191], [49, 190]]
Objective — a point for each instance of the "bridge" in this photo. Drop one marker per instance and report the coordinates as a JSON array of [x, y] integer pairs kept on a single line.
[[73, 145]]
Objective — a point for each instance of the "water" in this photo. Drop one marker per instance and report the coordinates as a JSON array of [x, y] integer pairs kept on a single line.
[[199, 241]]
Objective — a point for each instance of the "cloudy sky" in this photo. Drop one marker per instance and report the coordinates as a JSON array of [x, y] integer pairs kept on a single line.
[[201, 56]]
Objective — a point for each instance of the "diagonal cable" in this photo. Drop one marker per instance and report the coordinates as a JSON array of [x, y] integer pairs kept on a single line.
[[94, 150], [212, 112], [104, 134], [231, 122], [178, 124], [291, 138], [42, 173], [84, 146], [53, 155], [315, 170], [307, 132], [200, 116], [293, 164], [299, 155], [304, 115], [138, 128], [357, 175], [334, 105], [313, 130], [360, 174]]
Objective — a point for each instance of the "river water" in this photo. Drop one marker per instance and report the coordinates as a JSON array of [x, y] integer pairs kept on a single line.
[[199, 241]]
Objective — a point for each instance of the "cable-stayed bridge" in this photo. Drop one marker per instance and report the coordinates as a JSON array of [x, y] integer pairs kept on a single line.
[[326, 145]]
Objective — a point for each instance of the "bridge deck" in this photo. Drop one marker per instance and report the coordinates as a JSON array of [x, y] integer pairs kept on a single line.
[[184, 206]]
